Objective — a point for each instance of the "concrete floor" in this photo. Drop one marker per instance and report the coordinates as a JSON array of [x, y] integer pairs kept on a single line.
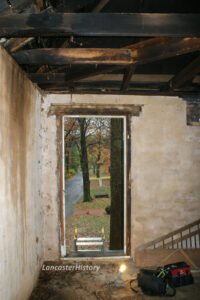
[[91, 285]]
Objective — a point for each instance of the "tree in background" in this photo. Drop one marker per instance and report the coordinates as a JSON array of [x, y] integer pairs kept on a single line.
[[99, 144], [84, 159], [72, 161], [117, 185]]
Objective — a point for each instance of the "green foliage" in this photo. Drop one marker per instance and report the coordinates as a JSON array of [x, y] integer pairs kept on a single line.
[[71, 173], [108, 209]]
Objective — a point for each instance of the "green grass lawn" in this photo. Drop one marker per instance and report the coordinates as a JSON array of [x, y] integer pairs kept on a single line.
[[87, 225], [90, 225]]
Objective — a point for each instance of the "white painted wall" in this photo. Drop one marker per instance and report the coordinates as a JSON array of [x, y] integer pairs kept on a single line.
[[165, 167], [21, 206]]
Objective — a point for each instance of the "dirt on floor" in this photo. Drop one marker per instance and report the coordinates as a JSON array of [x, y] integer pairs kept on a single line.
[[86, 280]]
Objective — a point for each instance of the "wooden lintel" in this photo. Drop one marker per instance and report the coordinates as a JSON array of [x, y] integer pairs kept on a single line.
[[188, 73], [82, 109]]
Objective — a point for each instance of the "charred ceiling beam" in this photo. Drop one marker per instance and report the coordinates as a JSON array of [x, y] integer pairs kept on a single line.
[[113, 84], [95, 24], [115, 90], [55, 56], [187, 74], [154, 49]]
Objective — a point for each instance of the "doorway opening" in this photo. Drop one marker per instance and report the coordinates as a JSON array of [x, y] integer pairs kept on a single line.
[[95, 185]]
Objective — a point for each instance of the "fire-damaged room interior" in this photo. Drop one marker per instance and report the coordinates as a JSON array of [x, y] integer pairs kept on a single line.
[[99, 149]]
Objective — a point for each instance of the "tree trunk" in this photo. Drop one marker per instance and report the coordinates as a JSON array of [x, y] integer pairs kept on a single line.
[[84, 161], [67, 160], [117, 186], [98, 165]]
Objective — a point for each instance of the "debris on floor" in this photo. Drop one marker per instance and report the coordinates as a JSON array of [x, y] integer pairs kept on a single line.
[[95, 280]]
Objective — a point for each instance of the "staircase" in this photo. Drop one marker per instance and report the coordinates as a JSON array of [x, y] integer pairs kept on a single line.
[[179, 245]]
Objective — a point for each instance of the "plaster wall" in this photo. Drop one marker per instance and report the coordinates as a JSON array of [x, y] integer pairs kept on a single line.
[[21, 219], [165, 166]]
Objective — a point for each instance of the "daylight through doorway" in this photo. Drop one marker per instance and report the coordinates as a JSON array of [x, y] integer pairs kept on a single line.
[[94, 186]]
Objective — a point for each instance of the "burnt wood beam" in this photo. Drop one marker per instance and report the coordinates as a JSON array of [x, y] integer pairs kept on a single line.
[[95, 24], [113, 84], [153, 50], [180, 93], [56, 56], [127, 77], [187, 74]]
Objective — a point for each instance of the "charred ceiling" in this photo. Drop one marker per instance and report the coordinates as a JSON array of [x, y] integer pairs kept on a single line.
[[105, 46]]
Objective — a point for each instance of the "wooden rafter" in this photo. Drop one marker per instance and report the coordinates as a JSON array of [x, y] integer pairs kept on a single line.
[[188, 73], [158, 48], [127, 77], [106, 24]]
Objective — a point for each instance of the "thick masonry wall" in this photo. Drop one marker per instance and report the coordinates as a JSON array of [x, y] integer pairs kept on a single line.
[[165, 167], [21, 208]]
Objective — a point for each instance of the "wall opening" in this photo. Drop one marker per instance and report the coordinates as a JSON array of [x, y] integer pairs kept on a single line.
[[123, 112], [94, 183]]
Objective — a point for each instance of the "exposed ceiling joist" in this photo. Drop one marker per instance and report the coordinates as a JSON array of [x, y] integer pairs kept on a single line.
[[188, 73], [106, 24], [115, 90], [109, 84], [15, 44], [127, 77], [55, 56], [140, 53]]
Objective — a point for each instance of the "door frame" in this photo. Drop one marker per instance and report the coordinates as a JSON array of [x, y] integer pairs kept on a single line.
[[89, 110]]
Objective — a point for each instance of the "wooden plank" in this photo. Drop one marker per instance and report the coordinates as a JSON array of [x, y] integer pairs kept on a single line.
[[97, 109], [60, 155], [128, 185], [154, 258], [127, 77], [188, 73], [134, 55], [95, 24], [15, 44]]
